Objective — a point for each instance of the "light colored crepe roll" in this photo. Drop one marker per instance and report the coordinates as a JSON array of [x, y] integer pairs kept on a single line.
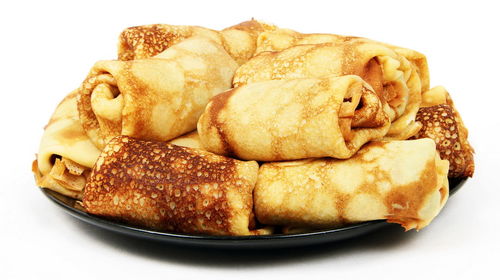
[[66, 154], [279, 39], [171, 188], [392, 76], [240, 40], [293, 119], [403, 182], [442, 123], [157, 98]]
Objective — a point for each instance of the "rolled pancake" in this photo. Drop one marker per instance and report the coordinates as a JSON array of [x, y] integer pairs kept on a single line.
[[171, 188], [442, 123], [279, 39], [157, 98], [66, 154], [403, 182], [140, 42], [391, 75], [293, 119]]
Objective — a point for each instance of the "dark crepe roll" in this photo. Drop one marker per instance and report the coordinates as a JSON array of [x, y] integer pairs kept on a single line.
[[441, 125], [171, 188]]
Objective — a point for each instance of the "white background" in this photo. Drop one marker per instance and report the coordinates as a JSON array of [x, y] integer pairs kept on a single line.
[[47, 49]]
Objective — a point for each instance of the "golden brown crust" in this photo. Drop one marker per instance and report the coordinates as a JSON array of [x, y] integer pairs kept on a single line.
[[146, 41], [441, 125], [218, 103], [153, 36], [171, 188]]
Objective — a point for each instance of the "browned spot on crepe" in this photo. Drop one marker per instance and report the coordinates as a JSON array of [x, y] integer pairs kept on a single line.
[[218, 103], [372, 74], [410, 196], [440, 124], [142, 115], [153, 38], [342, 199]]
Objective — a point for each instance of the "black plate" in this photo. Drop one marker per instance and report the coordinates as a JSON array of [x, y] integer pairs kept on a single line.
[[236, 242]]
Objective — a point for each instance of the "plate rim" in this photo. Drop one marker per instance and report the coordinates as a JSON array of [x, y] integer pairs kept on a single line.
[[123, 228]]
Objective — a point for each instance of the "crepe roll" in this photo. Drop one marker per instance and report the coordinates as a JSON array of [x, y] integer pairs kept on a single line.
[[240, 40], [392, 76], [402, 182], [418, 81], [157, 98], [66, 154], [293, 119], [166, 187], [280, 38]]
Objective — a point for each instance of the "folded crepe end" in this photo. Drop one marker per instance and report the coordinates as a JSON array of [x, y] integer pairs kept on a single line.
[[61, 178], [432, 205], [361, 108], [435, 96], [442, 124], [369, 112]]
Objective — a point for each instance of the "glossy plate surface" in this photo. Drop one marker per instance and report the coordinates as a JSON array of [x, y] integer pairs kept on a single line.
[[234, 242]]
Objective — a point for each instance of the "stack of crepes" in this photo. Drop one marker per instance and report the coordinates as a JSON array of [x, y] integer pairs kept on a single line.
[[255, 130]]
